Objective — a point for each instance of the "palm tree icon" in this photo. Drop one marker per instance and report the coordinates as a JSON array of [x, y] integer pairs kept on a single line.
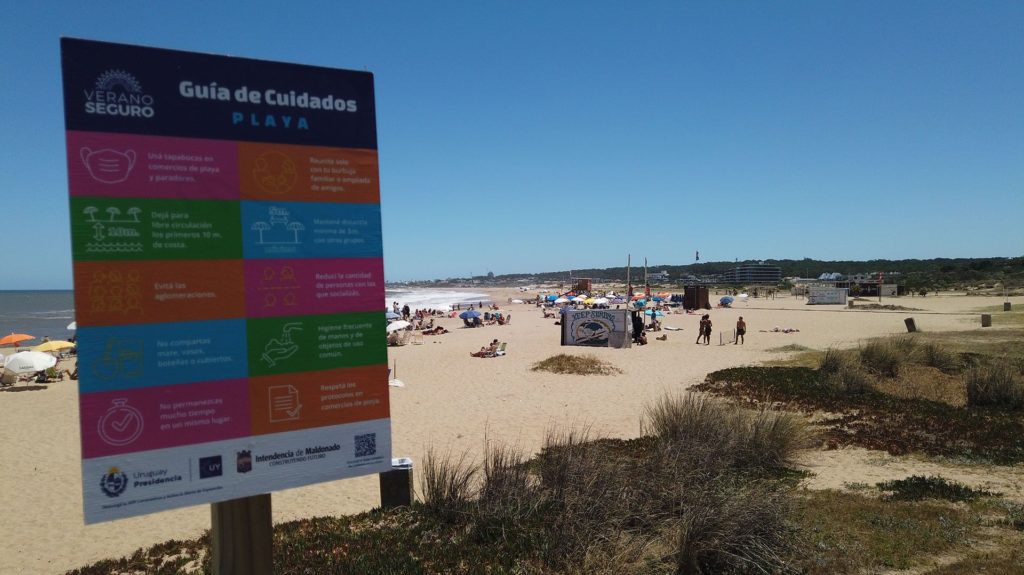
[[114, 212], [91, 212]]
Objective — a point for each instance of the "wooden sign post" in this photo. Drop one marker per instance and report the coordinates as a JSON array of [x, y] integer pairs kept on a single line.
[[242, 536]]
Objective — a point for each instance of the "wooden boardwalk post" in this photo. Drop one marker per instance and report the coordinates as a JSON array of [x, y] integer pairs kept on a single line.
[[242, 536]]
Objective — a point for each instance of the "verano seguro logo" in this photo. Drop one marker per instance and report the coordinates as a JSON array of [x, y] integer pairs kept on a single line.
[[118, 93]]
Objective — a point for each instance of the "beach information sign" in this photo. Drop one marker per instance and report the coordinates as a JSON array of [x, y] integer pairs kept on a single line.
[[229, 285]]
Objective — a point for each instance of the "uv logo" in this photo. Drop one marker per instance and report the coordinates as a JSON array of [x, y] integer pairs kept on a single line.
[[210, 467]]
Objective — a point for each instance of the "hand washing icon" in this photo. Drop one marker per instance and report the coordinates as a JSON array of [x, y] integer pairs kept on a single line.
[[108, 166]]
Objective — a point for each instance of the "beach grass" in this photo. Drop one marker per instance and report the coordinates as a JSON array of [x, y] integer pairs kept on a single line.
[[564, 363]]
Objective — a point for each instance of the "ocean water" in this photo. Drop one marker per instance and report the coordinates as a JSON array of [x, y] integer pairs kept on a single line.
[[47, 313], [38, 313], [433, 298]]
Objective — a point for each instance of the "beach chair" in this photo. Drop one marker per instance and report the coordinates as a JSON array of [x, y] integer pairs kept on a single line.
[[501, 350]]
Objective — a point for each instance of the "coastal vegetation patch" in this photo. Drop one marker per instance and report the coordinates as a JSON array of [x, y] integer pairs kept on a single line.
[[710, 487], [900, 395], [564, 363]]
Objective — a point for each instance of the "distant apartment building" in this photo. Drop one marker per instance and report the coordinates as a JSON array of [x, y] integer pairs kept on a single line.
[[656, 277], [753, 274]]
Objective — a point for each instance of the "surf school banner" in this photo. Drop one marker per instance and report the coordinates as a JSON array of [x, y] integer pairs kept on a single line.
[[226, 240], [596, 328]]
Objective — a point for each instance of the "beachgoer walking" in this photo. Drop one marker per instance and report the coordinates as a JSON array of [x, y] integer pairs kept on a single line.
[[700, 327], [405, 311], [707, 330], [741, 328]]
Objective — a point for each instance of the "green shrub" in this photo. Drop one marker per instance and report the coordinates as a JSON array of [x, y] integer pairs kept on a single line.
[[998, 384], [715, 433], [919, 487], [940, 358], [886, 357], [834, 361], [851, 380], [771, 439], [447, 484]]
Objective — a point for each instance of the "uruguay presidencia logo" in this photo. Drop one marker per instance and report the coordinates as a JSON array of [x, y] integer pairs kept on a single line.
[[114, 482]]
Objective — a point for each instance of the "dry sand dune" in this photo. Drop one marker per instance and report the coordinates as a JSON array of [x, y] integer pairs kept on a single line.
[[450, 401]]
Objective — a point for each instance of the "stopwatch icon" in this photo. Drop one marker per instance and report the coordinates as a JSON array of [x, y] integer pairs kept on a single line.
[[121, 424]]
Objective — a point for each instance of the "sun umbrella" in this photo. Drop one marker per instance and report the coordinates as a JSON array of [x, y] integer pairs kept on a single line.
[[517, 301], [590, 301], [55, 345], [551, 297], [601, 301], [562, 300], [579, 298], [73, 325], [392, 315], [743, 296], [397, 325], [29, 362], [14, 338], [725, 300], [656, 313], [469, 313]]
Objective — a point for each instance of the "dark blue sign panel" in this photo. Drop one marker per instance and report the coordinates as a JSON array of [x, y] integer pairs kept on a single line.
[[152, 91]]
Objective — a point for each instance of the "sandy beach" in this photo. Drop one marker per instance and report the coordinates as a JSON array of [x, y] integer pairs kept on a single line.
[[452, 401]]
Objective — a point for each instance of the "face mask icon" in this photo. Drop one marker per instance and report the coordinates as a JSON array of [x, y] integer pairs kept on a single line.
[[108, 166]]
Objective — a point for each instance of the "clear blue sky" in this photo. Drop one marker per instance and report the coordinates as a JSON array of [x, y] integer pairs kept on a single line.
[[537, 136]]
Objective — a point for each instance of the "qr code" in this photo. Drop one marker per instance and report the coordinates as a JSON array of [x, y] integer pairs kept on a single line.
[[366, 445]]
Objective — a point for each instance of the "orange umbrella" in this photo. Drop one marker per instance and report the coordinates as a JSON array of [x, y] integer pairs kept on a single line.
[[14, 338]]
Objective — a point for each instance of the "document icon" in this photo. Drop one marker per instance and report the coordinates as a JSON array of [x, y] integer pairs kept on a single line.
[[284, 403]]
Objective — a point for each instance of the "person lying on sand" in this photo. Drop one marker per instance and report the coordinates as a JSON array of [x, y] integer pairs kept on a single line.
[[778, 329], [487, 351], [435, 331]]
